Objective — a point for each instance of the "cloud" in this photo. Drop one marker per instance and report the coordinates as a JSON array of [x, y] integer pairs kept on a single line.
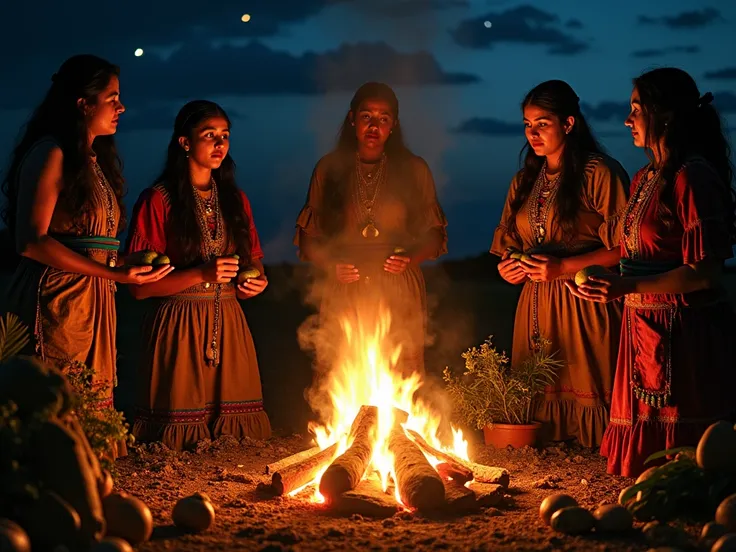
[[574, 24], [727, 73], [686, 20], [489, 127], [408, 8], [203, 70], [520, 25], [659, 52]]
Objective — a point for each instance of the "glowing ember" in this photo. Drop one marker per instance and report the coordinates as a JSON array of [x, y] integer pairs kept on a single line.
[[366, 374]]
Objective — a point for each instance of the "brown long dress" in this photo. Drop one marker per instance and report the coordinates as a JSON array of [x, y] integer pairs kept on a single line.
[[73, 315], [585, 334], [400, 225], [185, 393]]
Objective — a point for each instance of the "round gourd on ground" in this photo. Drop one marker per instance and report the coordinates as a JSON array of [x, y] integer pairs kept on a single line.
[[712, 530], [127, 518], [572, 520], [717, 448], [13, 538], [727, 543], [726, 513], [583, 275], [646, 474], [193, 513], [552, 503], [52, 521], [612, 518]]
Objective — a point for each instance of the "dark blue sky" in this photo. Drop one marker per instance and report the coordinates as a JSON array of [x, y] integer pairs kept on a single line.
[[286, 76]]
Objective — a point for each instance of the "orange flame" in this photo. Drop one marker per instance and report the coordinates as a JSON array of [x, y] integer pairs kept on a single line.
[[366, 375]]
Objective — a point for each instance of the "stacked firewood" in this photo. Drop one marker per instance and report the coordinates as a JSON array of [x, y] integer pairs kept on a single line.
[[455, 484]]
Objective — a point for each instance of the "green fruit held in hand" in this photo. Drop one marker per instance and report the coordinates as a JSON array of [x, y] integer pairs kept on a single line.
[[248, 274], [161, 260], [236, 256], [399, 251], [516, 255], [594, 270], [141, 258]]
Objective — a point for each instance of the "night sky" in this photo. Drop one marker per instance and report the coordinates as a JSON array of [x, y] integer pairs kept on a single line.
[[460, 69]]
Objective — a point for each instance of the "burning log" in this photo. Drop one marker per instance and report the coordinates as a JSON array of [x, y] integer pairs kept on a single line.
[[289, 460], [487, 494], [367, 499], [458, 469], [420, 486], [298, 474], [459, 498], [347, 470]]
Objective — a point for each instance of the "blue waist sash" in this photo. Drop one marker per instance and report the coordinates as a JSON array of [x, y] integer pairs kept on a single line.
[[636, 267], [81, 243]]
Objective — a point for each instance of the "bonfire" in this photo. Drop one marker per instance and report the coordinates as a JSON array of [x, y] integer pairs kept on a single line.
[[378, 450]]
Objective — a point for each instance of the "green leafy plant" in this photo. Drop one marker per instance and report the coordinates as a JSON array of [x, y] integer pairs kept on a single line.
[[13, 336], [677, 487], [492, 391]]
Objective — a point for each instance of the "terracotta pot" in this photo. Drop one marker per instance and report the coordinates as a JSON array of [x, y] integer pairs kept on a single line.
[[521, 435]]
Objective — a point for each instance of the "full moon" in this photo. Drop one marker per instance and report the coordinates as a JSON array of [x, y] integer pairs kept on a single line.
[[138, 52], [245, 18]]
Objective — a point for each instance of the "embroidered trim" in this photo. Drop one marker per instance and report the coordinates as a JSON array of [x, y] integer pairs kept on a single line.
[[198, 415], [653, 398]]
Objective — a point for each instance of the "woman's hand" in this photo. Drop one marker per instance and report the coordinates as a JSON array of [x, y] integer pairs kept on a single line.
[[346, 273], [252, 287], [396, 264], [219, 270], [603, 288], [512, 271], [542, 268], [140, 274]]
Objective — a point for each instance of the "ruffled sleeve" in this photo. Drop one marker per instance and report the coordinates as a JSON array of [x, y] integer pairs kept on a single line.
[[148, 223], [308, 221], [702, 202], [432, 217], [607, 194], [256, 251], [502, 237]]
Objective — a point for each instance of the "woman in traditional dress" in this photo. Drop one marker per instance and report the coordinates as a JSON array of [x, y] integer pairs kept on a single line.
[[563, 211], [370, 219], [199, 375], [676, 365], [64, 207]]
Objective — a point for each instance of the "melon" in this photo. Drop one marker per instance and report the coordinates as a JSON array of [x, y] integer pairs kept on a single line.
[[717, 448], [141, 258], [594, 270], [161, 260], [248, 273]]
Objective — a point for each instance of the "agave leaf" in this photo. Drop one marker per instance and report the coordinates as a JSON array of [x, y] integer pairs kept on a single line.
[[13, 336], [667, 452]]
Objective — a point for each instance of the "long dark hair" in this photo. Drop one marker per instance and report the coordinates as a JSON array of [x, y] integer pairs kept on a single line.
[[60, 118], [558, 98], [686, 125], [397, 153], [176, 179]]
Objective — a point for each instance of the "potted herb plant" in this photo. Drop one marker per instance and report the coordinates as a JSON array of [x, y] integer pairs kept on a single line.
[[499, 398]]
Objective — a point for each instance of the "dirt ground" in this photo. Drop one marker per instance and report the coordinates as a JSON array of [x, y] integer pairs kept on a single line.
[[229, 471]]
